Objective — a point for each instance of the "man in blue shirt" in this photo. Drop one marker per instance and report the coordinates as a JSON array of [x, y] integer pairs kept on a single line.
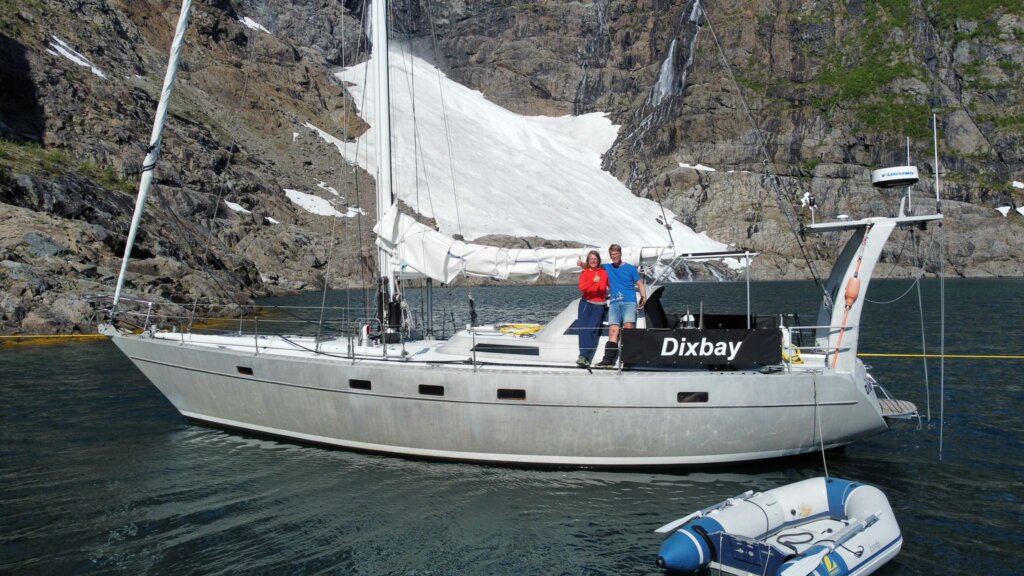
[[624, 281]]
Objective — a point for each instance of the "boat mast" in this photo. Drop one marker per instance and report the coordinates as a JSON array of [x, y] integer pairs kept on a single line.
[[153, 152], [385, 198]]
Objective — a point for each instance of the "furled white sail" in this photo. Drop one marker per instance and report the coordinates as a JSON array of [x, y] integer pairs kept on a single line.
[[418, 250]]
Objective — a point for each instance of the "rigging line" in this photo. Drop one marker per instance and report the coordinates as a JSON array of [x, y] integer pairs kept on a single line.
[[917, 280], [444, 115], [227, 165], [817, 425], [410, 79], [334, 218], [768, 163], [895, 262], [924, 354], [295, 318], [364, 254], [326, 275], [417, 138], [942, 334], [942, 288], [648, 157], [919, 261], [919, 264]]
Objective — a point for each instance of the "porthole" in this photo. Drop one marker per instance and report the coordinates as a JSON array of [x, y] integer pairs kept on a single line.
[[511, 394], [359, 384]]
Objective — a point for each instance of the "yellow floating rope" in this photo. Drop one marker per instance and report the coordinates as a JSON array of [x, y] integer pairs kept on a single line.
[[797, 359], [968, 356], [519, 329], [58, 336], [27, 340]]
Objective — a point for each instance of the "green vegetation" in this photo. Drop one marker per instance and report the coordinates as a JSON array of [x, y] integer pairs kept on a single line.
[[949, 11], [1009, 68], [896, 12], [1006, 122], [979, 78], [985, 29], [864, 79], [105, 177], [867, 62], [896, 116], [11, 23], [34, 159], [808, 166], [755, 85], [864, 64]]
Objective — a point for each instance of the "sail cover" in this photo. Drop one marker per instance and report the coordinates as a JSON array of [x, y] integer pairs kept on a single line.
[[418, 250]]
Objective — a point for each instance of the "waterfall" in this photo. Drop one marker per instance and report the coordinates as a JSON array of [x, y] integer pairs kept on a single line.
[[667, 79], [717, 274], [593, 58], [671, 80], [689, 271]]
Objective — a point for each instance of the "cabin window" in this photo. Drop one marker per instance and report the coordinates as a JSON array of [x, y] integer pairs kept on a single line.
[[431, 390], [359, 384], [688, 397], [511, 394], [244, 370]]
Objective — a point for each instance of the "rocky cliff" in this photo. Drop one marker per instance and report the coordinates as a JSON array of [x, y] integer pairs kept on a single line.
[[780, 98]]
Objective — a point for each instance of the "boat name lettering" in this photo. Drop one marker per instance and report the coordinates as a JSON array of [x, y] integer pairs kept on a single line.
[[680, 347], [699, 347]]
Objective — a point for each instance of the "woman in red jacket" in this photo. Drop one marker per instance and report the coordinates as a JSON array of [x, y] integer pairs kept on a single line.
[[593, 295]]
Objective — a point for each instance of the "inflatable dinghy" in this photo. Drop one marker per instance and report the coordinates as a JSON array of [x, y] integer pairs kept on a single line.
[[820, 526]]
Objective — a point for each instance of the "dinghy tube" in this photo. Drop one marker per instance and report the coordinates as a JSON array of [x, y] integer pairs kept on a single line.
[[822, 526]]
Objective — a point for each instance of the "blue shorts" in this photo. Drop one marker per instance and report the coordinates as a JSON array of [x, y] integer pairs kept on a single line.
[[621, 312]]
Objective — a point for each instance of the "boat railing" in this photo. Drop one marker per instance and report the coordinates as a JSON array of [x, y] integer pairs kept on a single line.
[[825, 327], [323, 322]]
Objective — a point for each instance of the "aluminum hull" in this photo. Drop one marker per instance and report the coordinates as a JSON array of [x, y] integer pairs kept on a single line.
[[543, 415]]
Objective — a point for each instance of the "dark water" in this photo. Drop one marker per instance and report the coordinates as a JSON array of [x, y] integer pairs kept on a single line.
[[99, 475]]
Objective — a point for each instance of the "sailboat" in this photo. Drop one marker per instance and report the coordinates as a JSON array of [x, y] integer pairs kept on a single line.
[[688, 390]]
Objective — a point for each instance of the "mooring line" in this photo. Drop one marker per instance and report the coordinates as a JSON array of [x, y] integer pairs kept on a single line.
[[968, 356]]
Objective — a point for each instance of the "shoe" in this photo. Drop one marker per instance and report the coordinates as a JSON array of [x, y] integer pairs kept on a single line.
[[582, 362], [611, 354]]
